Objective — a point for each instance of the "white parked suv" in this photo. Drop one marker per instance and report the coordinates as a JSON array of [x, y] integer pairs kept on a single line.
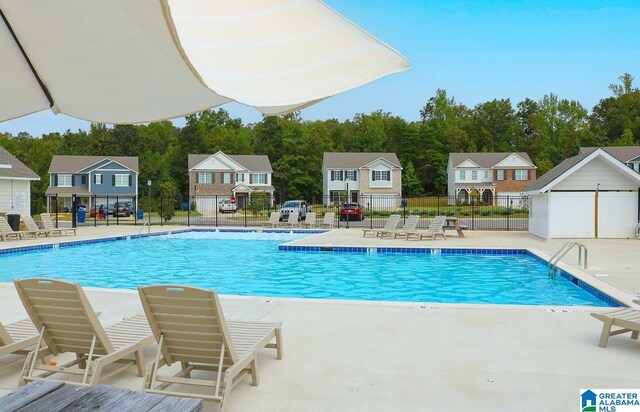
[[299, 206], [225, 206]]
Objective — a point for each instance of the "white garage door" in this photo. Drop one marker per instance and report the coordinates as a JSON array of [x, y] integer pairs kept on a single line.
[[617, 214], [571, 214]]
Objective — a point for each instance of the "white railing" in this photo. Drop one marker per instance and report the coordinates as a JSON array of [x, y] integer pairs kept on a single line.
[[552, 268]]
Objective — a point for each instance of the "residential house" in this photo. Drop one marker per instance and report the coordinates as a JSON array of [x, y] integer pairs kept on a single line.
[[214, 177], [629, 155], [370, 179], [15, 184], [95, 180], [591, 195], [494, 178]]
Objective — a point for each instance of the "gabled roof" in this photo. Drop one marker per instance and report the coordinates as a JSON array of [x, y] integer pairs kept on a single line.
[[566, 167], [15, 169], [254, 163], [74, 164], [622, 153], [342, 160], [486, 160]]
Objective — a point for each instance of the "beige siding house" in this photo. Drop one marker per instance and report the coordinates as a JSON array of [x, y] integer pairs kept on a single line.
[[371, 179], [15, 184], [216, 177]]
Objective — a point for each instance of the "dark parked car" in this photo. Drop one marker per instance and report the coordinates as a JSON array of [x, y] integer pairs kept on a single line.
[[121, 209], [353, 210]]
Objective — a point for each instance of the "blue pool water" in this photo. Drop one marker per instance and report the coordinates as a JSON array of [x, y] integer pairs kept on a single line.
[[252, 264]]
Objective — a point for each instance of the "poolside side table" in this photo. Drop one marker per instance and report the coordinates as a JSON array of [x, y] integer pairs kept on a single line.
[[453, 222], [57, 396]]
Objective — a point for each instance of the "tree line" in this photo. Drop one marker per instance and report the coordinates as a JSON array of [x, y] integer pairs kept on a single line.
[[550, 130]]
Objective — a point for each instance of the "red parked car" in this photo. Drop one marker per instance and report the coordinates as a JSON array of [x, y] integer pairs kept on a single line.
[[353, 210]]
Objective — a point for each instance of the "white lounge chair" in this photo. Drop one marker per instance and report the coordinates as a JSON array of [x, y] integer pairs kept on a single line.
[[47, 223], [329, 220], [67, 323], [33, 227], [436, 228], [627, 319], [16, 338], [389, 227], [310, 220], [409, 229], [293, 220], [274, 219], [191, 328], [7, 232]]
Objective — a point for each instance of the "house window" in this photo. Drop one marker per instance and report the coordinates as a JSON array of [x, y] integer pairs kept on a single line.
[[97, 179], [226, 177], [83, 179], [121, 180], [463, 175], [258, 178], [381, 175], [474, 175], [64, 180], [500, 174], [205, 177], [351, 175], [521, 175], [486, 174], [336, 175], [240, 177]]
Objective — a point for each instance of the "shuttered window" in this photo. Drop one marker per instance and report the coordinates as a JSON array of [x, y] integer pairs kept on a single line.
[[121, 180]]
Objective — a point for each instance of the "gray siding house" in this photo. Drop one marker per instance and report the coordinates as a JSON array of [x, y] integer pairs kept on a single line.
[[95, 180]]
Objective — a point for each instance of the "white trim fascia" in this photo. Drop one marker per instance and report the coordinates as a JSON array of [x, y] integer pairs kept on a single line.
[[87, 170], [598, 152], [467, 159], [228, 159], [367, 165], [521, 158], [19, 178]]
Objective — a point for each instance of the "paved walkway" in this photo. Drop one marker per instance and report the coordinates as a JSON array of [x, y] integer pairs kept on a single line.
[[377, 357]]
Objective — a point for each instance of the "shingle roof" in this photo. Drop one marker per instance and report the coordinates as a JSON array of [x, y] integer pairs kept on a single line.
[[622, 153], [73, 164], [17, 169], [341, 160], [555, 173], [254, 163], [485, 160]]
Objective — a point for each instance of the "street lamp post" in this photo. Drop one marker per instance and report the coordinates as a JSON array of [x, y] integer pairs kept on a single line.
[[149, 205], [346, 204]]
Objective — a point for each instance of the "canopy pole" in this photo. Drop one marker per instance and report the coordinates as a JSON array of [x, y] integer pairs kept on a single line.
[[26, 58]]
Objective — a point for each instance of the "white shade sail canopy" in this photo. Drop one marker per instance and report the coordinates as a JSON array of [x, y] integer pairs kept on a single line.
[[124, 61]]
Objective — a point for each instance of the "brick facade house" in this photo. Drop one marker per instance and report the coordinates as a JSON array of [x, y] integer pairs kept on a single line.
[[215, 177], [494, 178]]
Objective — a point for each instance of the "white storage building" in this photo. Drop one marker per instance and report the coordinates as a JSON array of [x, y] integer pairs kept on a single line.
[[590, 195], [15, 184]]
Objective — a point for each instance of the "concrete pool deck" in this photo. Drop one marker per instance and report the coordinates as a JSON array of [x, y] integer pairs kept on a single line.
[[368, 356]]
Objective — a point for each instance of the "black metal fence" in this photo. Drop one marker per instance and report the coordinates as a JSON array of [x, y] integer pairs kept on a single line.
[[365, 211]]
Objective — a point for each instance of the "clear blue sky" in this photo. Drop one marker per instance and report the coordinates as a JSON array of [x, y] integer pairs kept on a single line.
[[477, 50]]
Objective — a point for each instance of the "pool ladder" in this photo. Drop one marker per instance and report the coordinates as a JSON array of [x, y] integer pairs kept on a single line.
[[148, 225], [552, 268]]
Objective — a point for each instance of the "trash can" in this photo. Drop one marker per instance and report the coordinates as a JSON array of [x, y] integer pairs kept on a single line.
[[140, 214], [82, 215], [14, 221], [185, 206]]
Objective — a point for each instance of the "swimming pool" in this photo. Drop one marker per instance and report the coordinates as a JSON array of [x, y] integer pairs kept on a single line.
[[252, 264]]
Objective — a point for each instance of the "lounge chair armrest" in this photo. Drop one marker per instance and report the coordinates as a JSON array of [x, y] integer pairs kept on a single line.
[[240, 365], [636, 301]]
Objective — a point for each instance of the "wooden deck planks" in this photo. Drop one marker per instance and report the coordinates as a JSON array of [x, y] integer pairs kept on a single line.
[[57, 397]]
